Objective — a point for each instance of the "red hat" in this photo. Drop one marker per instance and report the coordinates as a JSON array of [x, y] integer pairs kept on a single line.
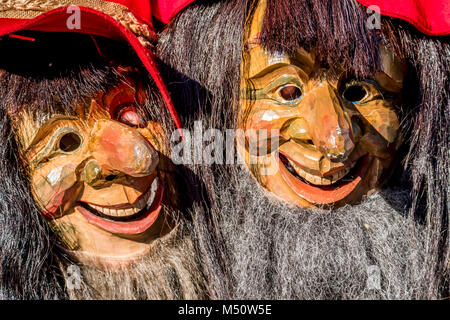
[[166, 10], [123, 20], [431, 17]]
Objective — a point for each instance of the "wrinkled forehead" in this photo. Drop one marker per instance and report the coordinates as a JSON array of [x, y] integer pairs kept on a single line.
[[260, 59]]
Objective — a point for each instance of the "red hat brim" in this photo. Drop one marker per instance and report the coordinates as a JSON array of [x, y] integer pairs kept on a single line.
[[94, 23], [431, 17], [165, 11]]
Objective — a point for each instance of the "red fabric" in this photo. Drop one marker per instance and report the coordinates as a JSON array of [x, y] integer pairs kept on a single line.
[[140, 8], [431, 17], [94, 23], [165, 10]]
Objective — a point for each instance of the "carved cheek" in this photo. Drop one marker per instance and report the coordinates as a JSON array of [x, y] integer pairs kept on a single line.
[[382, 119], [264, 119], [267, 117], [55, 188], [383, 128]]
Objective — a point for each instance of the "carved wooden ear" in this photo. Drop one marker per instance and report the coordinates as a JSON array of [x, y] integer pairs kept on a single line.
[[97, 112]]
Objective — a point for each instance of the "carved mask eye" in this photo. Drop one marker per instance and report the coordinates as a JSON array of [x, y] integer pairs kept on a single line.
[[355, 93], [69, 142], [290, 92], [130, 116]]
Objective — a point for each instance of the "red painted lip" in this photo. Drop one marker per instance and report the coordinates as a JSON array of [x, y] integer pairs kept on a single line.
[[130, 227], [323, 194]]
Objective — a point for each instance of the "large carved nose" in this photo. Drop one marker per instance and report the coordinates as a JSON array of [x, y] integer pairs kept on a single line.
[[326, 123], [117, 150]]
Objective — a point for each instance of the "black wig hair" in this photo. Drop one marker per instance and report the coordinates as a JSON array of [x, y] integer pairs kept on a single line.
[[201, 50], [46, 76], [205, 45]]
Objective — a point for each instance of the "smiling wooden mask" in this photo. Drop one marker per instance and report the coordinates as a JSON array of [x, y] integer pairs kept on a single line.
[[98, 176], [336, 135]]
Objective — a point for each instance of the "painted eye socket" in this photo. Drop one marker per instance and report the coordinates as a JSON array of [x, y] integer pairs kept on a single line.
[[355, 93], [130, 116], [69, 142], [290, 92]]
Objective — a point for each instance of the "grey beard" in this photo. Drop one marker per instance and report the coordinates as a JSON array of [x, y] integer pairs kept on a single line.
[[368, 251], [170, 271]]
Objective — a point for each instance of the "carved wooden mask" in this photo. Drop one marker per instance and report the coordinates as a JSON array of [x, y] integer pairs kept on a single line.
[[97, 176], [337, 135]]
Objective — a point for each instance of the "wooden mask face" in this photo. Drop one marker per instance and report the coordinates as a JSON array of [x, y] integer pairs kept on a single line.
[[98, 176], [336, 135]]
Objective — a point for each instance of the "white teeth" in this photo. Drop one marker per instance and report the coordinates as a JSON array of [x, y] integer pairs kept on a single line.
[[317, 180], [145, 201], [153, 189]]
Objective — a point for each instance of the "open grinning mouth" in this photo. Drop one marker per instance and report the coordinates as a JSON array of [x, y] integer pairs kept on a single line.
[[128, 213], [315, 190], [126, 218], [335, 180]]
